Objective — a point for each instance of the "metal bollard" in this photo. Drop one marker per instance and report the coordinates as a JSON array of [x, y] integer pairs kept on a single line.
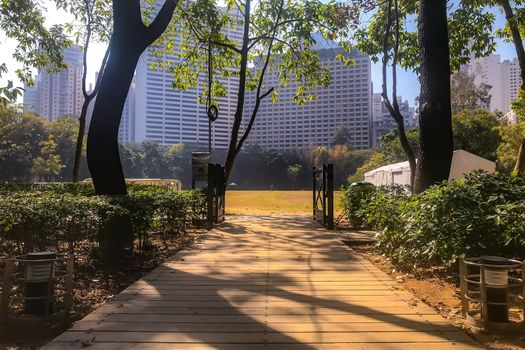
[[497, 287], [40, 271]]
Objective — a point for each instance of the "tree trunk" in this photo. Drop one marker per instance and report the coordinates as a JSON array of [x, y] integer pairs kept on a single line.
[[407, 149], [130, 38], [102, 146], [80, 137], [232, 148], [519, 168], [435, 116]]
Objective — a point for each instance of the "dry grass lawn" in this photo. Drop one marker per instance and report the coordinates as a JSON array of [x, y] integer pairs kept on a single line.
[[272, 203]]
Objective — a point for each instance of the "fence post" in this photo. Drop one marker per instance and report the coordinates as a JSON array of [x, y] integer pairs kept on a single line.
[[210, 196], [6, 291], [68, 297], [463, 287], [314, 190], [324, 194], [330, 189]]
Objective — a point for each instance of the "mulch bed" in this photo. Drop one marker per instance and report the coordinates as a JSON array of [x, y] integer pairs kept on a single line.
[[95, 283]]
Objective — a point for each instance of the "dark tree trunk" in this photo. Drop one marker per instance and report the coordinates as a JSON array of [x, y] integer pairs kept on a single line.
[[130, 38], [435, 116], [233, 146], [80, 137], [102, 147]]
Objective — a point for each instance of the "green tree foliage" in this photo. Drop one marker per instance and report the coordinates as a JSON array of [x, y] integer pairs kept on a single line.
[[470, 34], [477, 131], [64, 131], [20, 137], [511, 138], [37, 46], [48, 165], [465, 94]]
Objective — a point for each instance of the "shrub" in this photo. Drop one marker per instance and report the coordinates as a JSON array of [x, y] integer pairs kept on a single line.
[[353, 198], [480, 214], [54, 215]]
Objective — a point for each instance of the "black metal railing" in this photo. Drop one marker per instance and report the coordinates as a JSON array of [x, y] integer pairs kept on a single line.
[[323, 195]]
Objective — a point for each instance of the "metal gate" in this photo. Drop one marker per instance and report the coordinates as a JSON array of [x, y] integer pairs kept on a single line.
[[215, 194], [323, 195]]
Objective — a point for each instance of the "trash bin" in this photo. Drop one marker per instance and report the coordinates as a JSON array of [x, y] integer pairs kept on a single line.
[[40, 270], [497, 287]]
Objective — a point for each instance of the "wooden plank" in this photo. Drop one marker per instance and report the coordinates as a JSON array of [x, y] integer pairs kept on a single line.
[[308, 337], [275, 310], [99, 317], [88, 326], [273, 346], [294, 288]]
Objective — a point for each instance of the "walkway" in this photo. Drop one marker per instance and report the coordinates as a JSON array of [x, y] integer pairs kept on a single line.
[[265, 283]]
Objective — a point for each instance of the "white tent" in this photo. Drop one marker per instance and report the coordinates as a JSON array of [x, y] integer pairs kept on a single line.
[[463, 163]]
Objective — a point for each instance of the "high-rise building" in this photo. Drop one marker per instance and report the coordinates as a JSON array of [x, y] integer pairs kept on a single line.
[[31, 98], [503, 77], [58, 94], [167, 115], [126, 131], [382, 121], [346, 101]]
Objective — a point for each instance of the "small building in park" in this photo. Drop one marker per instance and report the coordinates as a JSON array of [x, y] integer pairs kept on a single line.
[[463, 163]]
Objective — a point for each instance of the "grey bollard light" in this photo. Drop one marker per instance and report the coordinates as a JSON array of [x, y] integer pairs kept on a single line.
[[497, 287], [40, 269]]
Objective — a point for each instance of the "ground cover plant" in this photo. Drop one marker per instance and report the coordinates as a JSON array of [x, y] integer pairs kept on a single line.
[[480, 214]]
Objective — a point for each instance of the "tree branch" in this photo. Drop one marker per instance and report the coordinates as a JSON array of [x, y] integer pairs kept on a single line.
[[259, 97], [161, 21]]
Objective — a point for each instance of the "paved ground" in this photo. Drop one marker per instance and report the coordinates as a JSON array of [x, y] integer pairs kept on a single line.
[[265, 283]]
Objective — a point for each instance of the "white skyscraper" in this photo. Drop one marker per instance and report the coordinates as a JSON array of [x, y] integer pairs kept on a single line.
[[167, 115], [126, 131], [503, 77], [346, 101], [58, 94]]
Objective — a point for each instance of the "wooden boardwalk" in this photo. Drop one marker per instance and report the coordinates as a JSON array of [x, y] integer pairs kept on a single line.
[[265, 283]]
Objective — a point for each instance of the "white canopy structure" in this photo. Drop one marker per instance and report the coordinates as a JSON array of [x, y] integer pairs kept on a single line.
[[463, 163]]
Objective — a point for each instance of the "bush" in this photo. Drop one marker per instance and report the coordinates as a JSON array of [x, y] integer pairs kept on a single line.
[[353, 198], [480, 214], [49, 216]]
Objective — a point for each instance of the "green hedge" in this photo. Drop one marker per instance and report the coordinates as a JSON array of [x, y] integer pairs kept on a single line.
[[57, 215], [481, 214]]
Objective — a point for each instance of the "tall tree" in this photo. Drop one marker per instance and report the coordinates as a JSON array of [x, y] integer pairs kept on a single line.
[[130, 37], [393, 26], [467, 22], [276, 35], [94, 23], [435, 114]]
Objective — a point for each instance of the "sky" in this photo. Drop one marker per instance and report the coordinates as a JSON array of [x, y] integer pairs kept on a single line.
[[408, 85]]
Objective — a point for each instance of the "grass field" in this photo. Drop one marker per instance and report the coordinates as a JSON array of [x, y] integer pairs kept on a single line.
[[272, 202]]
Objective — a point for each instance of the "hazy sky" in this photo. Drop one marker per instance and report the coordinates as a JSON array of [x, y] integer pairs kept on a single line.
[[408, 85]]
